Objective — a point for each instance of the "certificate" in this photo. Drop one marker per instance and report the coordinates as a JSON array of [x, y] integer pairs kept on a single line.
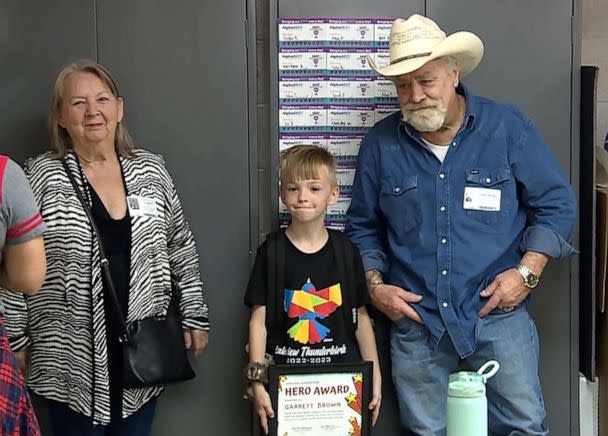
[[321, 400]]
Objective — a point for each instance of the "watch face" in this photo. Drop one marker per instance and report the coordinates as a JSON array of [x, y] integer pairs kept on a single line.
[[531, 280]]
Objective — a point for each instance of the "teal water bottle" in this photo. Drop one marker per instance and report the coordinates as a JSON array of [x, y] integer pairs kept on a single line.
[[467, 403]]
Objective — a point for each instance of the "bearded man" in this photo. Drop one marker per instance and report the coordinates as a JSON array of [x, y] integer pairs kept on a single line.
[[457, 205]]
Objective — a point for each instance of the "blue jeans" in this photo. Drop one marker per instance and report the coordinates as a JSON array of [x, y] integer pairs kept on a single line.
[[420, 374], [67, 422]]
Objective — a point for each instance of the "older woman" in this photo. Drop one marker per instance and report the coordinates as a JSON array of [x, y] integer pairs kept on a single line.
[[73, 325]]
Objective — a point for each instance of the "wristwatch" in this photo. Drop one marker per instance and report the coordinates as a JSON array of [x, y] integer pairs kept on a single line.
[[530, 279], [256, 372]]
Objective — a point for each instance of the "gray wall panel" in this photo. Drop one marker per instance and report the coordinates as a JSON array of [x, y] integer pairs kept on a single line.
[[531, 66], [575, 178], [182, 67], [523, 64], [35, 43]]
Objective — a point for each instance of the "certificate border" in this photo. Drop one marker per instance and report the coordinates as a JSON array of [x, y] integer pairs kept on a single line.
[[364, 367]]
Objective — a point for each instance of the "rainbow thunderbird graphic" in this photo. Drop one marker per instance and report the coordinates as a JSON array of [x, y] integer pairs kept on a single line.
[[308, 304]]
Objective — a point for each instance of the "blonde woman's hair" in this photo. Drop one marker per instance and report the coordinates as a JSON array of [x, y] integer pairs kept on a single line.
[[60, 137], [303, 162]]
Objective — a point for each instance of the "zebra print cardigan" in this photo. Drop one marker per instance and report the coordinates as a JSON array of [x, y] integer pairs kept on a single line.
[[64, 322]]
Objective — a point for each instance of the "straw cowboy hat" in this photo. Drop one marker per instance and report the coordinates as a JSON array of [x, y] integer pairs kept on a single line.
[[419, 40]]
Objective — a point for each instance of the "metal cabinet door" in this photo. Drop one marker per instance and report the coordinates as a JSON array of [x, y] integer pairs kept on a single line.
[[36, 39], [182, 68]]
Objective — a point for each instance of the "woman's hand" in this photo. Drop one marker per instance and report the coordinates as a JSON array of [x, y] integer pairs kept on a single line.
[[196, 340]]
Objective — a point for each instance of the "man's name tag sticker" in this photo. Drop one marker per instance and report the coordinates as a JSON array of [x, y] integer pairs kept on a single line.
[[141, 206], [481, 199]]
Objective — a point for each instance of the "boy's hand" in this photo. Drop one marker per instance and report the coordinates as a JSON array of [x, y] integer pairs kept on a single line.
[[374, 405], [262, 404]]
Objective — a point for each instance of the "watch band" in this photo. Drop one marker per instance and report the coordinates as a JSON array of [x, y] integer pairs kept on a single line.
[[256, 372], [524, 269]]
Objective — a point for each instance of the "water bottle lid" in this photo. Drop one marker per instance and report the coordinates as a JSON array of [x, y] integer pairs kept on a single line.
[[466, 384]]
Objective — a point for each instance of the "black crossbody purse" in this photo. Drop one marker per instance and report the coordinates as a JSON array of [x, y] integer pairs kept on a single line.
[[154, 351]]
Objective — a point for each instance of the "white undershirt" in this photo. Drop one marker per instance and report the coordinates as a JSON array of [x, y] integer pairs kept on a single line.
[[438, 150]]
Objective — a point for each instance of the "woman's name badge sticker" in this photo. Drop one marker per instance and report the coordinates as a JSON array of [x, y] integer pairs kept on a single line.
[[141, 206]]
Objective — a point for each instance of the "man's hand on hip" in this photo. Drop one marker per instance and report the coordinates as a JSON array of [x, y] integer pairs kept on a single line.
[[507, 290], [394, 301]]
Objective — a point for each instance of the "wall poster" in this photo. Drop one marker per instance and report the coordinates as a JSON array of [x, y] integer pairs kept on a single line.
[[328, 94]]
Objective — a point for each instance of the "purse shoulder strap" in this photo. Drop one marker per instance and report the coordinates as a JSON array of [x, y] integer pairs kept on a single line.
[[105, 264]]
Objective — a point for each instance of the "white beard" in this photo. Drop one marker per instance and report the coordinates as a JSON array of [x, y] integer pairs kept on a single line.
[[425, 120]]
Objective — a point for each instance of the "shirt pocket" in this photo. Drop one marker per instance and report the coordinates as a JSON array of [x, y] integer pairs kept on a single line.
[[400, 203], [491, 178]]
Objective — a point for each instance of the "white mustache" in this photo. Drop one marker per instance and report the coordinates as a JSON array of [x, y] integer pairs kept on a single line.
[[411, 107]]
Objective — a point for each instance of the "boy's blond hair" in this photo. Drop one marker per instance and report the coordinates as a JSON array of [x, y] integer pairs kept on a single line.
[[302, 162]]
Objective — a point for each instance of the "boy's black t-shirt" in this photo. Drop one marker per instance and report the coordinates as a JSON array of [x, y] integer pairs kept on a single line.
[[313, 327]]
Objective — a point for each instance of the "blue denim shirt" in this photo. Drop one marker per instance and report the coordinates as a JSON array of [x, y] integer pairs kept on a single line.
[[408, 220]]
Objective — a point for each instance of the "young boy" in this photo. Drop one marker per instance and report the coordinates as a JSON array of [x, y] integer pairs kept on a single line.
[[289, 333]]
